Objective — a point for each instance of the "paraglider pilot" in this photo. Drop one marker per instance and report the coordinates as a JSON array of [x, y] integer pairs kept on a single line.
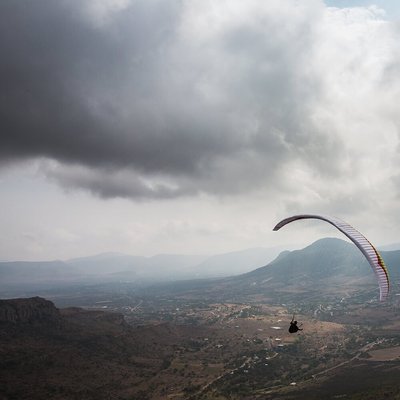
[[293, 328]]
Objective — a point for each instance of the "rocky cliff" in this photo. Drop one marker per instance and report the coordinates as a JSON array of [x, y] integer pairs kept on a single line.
[[31, 310]]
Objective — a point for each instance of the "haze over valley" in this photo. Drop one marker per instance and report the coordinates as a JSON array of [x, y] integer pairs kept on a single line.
[[114, 267]]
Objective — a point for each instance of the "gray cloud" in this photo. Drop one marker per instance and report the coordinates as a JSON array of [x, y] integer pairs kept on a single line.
[[146, 103]]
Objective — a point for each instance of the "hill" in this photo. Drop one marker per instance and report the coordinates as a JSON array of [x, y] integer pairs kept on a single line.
[[328, 268], [329, 259], [74, 353]]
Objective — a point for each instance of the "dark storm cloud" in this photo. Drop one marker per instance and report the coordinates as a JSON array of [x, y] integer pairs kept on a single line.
[[140, 105], [60, 81]]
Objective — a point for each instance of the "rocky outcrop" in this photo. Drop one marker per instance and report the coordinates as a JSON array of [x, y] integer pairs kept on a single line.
[[35, 310]]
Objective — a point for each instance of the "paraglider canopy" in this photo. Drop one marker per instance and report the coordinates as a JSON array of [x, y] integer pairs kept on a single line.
[[369, 251]]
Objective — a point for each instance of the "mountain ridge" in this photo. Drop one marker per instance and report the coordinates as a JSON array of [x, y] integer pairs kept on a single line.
[[114, 267], [328, 262], [328, 269]]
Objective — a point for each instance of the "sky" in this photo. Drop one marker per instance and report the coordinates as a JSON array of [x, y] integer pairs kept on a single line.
[[193, 127]]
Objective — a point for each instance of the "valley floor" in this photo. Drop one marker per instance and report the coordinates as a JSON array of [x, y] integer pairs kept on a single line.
[[183, 348]]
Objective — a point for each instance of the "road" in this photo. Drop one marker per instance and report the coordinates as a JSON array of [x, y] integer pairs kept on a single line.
[[207, 385], [363, 349]]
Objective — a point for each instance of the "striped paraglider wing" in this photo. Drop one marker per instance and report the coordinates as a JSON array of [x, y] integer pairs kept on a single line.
[[369, 251]]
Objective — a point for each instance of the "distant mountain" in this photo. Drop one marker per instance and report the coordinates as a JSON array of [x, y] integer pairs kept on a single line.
[[116, 267], [329, 265], [175, 266], [110, 267], [390, 247], [105, 263], [27, 272], [326, 258], [236, 263], [392, 261]]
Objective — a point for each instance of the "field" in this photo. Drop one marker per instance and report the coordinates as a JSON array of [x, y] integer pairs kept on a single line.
[[389, 354]]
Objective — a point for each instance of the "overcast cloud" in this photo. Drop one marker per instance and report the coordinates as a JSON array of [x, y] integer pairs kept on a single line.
[[167, 99]]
